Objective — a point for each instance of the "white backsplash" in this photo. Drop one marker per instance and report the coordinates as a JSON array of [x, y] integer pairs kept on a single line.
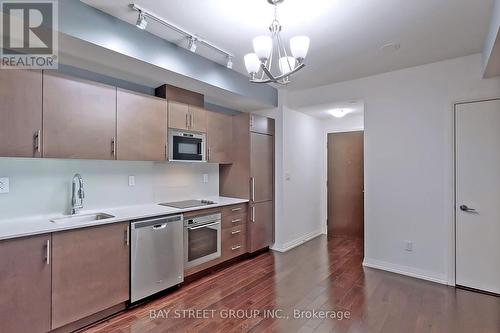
[[43, 186]]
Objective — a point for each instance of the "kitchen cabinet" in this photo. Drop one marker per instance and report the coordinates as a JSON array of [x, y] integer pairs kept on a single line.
[[187, 117], [20, 113], [90, 272], [198, 119], [251, 175], [178, 115], [260, 226], [219, 137], [262, 125], [141, 127], [79, 119], [25, 283]]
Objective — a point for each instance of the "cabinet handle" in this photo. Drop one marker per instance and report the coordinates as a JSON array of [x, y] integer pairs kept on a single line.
[[187, 120], [190, 120], [237, 247], [38, 139], [47, 252], [209, 151], [113, 147], [236, 209], [251, 122], [236, 221], [253, 215], [252, 182], [166, 152], [235, 232], [127, 238]]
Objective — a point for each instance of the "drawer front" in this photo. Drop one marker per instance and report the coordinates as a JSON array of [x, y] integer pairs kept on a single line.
[[234, 242], [234, 221], [235, 210]]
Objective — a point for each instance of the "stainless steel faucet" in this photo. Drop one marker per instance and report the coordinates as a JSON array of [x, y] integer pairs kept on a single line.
[[77, 194]]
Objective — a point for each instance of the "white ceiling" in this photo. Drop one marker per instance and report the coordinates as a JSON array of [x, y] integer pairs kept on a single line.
[[346, 35]]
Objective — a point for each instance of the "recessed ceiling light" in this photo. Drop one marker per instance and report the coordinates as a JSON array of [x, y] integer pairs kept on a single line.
[[339, 113]]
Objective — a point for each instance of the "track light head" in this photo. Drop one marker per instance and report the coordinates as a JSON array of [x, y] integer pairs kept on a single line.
[[192, 44], [229, 63], [142, 23]]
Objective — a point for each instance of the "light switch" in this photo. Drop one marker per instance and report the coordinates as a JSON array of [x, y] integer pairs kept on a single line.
[[131, 180], [4, 185], [205, 178]]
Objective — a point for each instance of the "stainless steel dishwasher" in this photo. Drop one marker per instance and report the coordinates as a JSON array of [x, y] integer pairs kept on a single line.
[[157, 255]]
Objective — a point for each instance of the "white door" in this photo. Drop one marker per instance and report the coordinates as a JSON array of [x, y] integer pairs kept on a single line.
[[478, 195]]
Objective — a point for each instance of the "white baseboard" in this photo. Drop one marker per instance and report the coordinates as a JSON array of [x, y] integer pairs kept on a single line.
[[406, 270], [299, 241]]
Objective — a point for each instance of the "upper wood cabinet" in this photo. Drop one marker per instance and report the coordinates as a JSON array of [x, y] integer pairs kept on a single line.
[[178, 115], [90, 272], [20, 113], [260, 124], [25, 275], [79, 118], [198, 119], [186, 117], [141, 127], [219, 137]]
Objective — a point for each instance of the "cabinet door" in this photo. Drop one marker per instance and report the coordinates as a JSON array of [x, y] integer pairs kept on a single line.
[[79, 119], [25, 285], [178, 115], [220, 137], [90, 272], [20, 113], [198, 120], [260, 124], [261, 226], [261, 167], [141, 127]]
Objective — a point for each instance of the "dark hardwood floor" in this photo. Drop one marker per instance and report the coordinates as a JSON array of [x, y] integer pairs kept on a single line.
[[324, 275]]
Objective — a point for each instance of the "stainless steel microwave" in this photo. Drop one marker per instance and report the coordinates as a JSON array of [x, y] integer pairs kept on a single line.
[[187, 146]]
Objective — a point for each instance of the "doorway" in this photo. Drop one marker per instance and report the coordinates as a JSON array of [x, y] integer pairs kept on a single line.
[[477, 195], [345, 184]]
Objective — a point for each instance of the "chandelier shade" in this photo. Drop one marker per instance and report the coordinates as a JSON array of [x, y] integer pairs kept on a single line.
[[272, 61]]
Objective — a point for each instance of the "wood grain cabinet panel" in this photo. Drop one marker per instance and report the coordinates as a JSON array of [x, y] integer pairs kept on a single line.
[[220, 137], [20, 113], [25, 275], [141, 127], [90, 272], [79, 118], [178, 115], [262, 167], [260, 226], [198, 121]]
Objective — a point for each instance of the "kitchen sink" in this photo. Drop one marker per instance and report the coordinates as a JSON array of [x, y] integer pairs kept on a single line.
[[83, 218]]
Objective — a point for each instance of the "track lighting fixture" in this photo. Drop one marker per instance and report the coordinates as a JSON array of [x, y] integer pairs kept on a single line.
[[192, 44], [229, 63], [142, 23]]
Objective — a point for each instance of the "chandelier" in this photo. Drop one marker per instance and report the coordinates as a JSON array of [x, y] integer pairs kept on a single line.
[[267, 48]]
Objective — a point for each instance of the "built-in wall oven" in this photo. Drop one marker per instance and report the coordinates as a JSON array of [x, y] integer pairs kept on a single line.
[[202, 239], [186, 146]]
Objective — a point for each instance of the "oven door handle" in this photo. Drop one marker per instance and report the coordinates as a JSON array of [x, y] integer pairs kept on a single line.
[[204, 226]]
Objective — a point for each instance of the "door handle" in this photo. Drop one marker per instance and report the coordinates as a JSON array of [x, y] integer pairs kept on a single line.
[[464, 208]]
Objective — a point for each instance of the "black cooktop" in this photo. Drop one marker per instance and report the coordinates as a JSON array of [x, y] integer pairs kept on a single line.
[[188, 204]]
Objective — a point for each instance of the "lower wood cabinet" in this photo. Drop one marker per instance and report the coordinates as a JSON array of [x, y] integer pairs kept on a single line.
[[260, 226], [25, 270], [90, 272]]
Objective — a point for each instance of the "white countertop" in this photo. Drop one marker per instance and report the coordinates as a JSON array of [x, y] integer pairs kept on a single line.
[[36, 225]]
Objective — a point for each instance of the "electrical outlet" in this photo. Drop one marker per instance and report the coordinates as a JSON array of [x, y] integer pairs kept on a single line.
[[131, 180], [409, 246], [4, 185], [205, 178]]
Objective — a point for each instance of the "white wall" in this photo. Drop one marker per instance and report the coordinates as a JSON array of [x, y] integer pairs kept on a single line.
[[409, 180], [43, 186], [356, 122]]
